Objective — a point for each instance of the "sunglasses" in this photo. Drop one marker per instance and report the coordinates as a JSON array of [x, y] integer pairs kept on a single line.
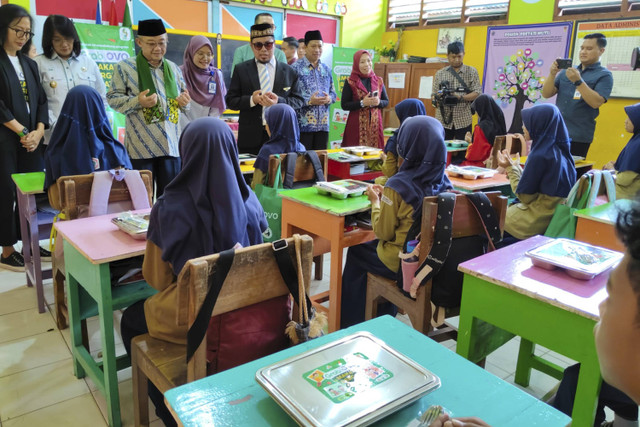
[[260, 45]]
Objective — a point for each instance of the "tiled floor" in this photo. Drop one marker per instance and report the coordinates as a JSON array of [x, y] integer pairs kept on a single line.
[[38, 388]]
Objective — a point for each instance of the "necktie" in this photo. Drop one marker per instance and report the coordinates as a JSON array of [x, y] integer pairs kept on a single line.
[[264, 85]]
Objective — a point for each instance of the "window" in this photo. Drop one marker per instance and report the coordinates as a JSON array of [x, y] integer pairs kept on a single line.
[[573, 9], [421, 13]]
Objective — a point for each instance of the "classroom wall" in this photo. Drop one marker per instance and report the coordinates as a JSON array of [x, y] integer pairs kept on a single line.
[[610, 136]]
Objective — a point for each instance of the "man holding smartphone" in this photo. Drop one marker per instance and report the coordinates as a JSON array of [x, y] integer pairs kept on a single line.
[[581, 91], [316, 85]]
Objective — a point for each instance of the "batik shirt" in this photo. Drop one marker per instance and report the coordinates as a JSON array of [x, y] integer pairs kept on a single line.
[[314, 118]]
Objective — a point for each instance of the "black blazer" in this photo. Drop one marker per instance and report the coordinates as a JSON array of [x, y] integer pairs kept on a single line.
[[12, 105], [244, 82]]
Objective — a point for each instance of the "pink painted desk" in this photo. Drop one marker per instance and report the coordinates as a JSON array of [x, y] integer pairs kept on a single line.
[[90, 244], [503, 289]]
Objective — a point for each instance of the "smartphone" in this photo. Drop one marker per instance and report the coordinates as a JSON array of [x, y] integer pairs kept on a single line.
[[375, 94], [563, 63]]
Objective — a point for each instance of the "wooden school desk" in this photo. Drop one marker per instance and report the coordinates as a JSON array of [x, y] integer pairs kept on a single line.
[[550, 308], [342, 170], [498, 182], [597, 225], [582, 166], [27, 186], [306, 211], [234, 397], [90, 244]]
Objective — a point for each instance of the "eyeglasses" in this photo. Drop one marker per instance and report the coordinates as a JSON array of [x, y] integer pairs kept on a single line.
[[21, 33], [260, 45], [153, 45], [67, 40]]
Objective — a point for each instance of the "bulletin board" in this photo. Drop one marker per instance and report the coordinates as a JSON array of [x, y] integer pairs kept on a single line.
[[622, 36]]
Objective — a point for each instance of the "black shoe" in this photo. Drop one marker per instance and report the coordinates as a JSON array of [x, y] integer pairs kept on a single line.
[[14, 262], [45, 255]]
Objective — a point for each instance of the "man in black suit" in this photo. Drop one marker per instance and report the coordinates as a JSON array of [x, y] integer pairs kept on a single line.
[[260, 83]]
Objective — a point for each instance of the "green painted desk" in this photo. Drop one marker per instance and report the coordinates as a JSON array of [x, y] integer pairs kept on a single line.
[[597, 225], [90, 244], [550, 308], [234, 397], [27, 186], [306, 211]]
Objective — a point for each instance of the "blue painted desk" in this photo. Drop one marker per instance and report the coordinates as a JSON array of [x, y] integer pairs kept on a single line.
[[234, 397]]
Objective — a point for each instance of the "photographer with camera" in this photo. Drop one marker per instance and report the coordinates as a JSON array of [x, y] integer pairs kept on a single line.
[[454, 88], [581, 91]]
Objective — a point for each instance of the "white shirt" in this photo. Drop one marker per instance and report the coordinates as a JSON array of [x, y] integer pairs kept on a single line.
[[20, 73], [271, 67], [59, 76]]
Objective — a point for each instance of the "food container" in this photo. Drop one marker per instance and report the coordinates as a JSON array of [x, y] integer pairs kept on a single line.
[[246, 158], [470, 172], [135, 225], [350, 382], [457, 143], [341, 189], [580, 260], [362, 150]]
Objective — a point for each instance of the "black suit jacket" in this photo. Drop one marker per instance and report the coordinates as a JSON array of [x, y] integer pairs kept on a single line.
[[244, 82], [12, 105]]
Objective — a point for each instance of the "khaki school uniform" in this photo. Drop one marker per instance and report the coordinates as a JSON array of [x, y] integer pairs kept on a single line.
[[391, 223], [627, 185]]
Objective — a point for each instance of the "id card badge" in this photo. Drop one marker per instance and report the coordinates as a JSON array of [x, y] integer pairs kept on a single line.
[[577, 94], [212, 87]]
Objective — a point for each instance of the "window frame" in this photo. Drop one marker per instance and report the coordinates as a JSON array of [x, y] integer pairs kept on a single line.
[[624, 12], [463, 22]]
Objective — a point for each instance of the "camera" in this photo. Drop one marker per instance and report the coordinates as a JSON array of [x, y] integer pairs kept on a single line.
[[446, 95]]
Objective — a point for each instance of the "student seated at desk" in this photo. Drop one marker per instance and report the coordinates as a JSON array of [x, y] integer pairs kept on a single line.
[[490, 124], [284, 137], [548, 174], [423, 156], [82, 141], [409, 107], [206, 209], [617, 334], [628, 163]]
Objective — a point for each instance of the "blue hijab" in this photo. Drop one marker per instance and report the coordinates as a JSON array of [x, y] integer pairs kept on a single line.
[[549, 169], [408, 108], [629, 158], [285, 135], [82, 133], [208, 207], [421, 146]]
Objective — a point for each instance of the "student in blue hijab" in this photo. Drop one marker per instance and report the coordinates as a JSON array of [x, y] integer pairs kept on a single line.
[[423, 154], [409, 107], [206, 209], [548, 174], [82, 141], [284, 137], [628, 163]]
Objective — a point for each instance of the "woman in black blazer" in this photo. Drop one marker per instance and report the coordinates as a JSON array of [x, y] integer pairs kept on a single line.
[[23, 114]]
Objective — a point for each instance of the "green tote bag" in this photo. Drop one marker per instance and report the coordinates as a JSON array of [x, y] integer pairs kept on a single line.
[[272, 206]]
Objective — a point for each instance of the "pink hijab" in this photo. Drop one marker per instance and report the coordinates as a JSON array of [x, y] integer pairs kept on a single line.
[[197, 79]]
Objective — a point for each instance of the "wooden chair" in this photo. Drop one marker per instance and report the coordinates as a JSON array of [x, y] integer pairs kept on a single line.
[[303, 172], [465, 223], [74, 193], [509, 142], [254, 277]]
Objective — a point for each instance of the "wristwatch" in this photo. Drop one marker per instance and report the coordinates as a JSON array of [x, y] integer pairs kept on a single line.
[[361, 103], [23, 132], [578, 83]]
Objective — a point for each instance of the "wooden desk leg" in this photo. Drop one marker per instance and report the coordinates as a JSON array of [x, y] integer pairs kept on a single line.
[[105, 315], [23, 209], [523, 367], [587, 393], [75, 328], [335, 275], [34, 240]]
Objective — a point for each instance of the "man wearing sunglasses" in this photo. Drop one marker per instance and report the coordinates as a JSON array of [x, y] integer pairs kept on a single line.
[[245, 52], [257, 84]]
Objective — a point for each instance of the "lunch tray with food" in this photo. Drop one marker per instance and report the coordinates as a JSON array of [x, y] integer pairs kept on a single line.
[[353, 381], [341, 189], [457, 143], [135, 225], [580, 260], [362, 150], [470, 172]]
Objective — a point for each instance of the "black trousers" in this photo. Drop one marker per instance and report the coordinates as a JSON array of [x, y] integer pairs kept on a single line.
[[610, 396], [454, 133], [134, 323], [14, 158], [315, 140], [164, 169], [580, 148]]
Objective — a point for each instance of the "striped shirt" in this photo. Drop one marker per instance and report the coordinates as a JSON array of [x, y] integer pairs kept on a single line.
[[144, 141], [461, 112]]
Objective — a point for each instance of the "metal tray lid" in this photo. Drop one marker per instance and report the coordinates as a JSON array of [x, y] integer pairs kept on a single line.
[[350, 382], [576, 256]]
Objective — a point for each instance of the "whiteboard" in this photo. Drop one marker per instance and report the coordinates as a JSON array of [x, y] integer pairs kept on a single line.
[[622, 36]]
